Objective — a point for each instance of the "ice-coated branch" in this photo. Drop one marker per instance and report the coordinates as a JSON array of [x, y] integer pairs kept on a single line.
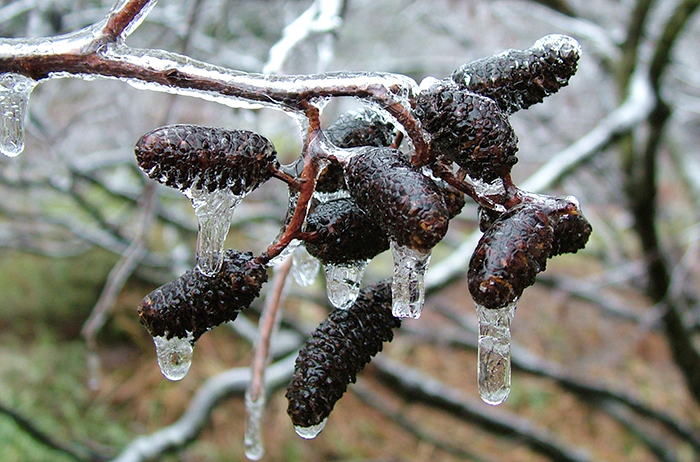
[[99, 51], [322, 17], [414, 385], [191, 423]]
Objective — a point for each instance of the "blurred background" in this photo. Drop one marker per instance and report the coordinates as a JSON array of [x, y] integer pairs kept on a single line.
[[606, 351]]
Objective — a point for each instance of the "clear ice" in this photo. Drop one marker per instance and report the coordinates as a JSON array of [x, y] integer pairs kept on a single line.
[[408, 285], [343, 282], [214, 211], [304, 266], [309, 433], [493, 373], [174, 356], [14, 98], [252, 440]]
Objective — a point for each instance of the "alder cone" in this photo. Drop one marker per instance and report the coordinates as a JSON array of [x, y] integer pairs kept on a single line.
[[468, 129], [194, 303], [509, 255], [517, 79], [337, 350], [356, 128], [361, 127], [344, 233], [407, 204], [571, 228], [206, 158]]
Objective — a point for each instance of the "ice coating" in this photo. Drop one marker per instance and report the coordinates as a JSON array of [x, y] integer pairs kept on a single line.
[[14, 98], [311, 432], [343, 282], [174, 356], [214, 211], [304, 266], [252, 440], [493, 374], [408, 285], [272, 91]]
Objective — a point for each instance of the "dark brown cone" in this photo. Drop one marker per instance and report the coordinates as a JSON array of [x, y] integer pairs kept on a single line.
[[509, 255], [468, 129], [194, 303], [361, 127], [344, 233], [517, 79], [337, 350], [407, 204], [206, 158]]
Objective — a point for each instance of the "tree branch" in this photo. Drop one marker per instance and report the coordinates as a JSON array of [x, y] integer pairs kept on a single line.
[[191, 423], [414, 385]]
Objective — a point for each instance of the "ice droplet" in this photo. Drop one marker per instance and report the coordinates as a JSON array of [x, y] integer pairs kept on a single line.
[[493, 373], [408, 285], [252, 440], [311, 432], [304, 266], [343, 282], [174, 356], [214, 211], [14, 98]]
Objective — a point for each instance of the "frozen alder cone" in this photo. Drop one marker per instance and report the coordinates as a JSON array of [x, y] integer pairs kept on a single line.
[[407, 204], [337, 350], [468, 129], [517, 79], [361, 127], [206, 158], [516, 246], [356, 128], [194, 303], [344, 233]]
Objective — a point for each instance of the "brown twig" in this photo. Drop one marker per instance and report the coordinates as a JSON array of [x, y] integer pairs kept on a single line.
[[267, 323]]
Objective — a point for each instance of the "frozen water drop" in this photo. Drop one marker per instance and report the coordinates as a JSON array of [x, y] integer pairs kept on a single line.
[[174, 356], [285, 253], [343, 282], [214, 211], [304, 266], [14, 98], [254, 448], [408, 285], [493, 373], [311, 432]]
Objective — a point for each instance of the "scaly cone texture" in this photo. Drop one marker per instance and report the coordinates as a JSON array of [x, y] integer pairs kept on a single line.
[[355, 128], [517, 79], [344, 233], [206, 158], [407, 204], [194, 303], [517, 245], [468, 129], [337, 350], [361, 127]]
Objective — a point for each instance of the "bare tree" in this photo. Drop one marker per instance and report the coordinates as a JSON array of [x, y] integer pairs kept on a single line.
[[622, 138]]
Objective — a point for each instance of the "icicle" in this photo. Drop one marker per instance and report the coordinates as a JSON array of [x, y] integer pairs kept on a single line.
[[305, 267], [408, 285], [494, 353], [174, 356], [343, 282], [252, 440], [309, 433], [214, 211], [14, 97]]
